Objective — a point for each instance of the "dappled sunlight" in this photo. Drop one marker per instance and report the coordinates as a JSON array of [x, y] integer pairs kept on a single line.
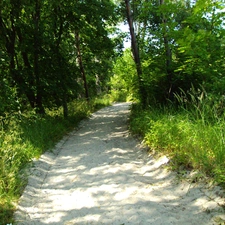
[[102, 176], [86, 133]]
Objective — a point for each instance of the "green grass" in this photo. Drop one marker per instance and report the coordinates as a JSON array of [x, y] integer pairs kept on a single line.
[[192, 136], [24, 137]]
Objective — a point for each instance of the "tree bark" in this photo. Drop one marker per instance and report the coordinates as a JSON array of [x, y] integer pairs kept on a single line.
[[135, 51], [77, 38], [10, 36], [168, 54], [29, 93], [58, 36], [39, 105]]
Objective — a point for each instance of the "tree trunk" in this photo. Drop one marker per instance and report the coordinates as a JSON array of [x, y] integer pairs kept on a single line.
[[168, 54], [77, 38], [29, 93], [65, 106], [39, 105], [135, 51], [10, 36], [58, 36]]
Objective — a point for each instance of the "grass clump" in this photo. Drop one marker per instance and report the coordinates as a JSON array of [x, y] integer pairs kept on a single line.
[[26, 136], [192, 135]]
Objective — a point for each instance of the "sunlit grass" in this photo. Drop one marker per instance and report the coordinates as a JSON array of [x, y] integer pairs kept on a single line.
[[193, 137], [26, 136]]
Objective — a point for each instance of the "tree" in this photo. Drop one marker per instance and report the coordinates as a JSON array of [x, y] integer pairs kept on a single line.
[[135, 51], [80, 60], [39, 56], [180, 43], [168, 53]]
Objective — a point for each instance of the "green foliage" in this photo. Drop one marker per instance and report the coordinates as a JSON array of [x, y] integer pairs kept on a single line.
[[192, 135], [181, 45], [201, 106], [38, 56], [123, 83], [100, 102], [8, 99]]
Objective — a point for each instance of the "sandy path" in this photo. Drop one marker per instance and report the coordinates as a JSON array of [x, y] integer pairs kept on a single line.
[[100, 175]]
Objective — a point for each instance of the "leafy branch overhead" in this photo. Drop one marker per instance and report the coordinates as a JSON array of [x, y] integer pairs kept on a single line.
[[179, 43], [39, 54]]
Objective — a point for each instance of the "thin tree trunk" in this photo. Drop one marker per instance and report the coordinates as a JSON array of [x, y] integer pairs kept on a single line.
[[10, 37], [168, 53], [11, 52], [29, 93], [58, 55], [77, 38], [135, 51], [65, 105], [39, 105]]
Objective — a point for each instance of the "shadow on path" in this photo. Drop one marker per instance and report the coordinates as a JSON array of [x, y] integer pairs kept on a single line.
[[100, 175]]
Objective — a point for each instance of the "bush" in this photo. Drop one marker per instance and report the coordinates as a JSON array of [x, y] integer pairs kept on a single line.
[[192, 137]]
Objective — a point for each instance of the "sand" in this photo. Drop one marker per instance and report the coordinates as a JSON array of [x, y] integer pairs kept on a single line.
[[100, 174]]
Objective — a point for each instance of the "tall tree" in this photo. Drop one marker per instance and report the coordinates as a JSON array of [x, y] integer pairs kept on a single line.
[[39, 56], [178, 41], [80, 60], [37, 44], [168, 52], [135, 50]]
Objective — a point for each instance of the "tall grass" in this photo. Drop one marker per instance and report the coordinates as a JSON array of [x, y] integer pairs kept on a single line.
[[193, 134], [26, 136]]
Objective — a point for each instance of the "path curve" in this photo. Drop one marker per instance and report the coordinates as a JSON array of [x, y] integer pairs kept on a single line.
[[99, 174]]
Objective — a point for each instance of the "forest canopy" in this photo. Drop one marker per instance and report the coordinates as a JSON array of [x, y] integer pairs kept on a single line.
[[181, 46], [55, 51], [57, 56]]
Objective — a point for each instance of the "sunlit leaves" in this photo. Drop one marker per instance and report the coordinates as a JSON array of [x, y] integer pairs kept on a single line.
[[44, 55], [124, 79], [192, 30]]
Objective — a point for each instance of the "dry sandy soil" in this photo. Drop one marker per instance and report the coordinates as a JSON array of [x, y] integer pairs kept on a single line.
[[99, 174]]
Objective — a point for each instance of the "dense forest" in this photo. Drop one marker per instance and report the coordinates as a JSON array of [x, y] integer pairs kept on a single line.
[[174, 72], [57, 56], [178, 45], [54, 52]]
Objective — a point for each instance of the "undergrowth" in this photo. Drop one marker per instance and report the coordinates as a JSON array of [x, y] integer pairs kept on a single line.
[[25, 136], [191, 134]]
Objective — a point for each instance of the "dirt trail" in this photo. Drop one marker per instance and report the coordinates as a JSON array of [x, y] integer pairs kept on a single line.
[[99, 174]]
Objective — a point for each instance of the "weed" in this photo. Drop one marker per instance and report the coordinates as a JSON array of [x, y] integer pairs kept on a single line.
[[25, 137], [192, 134]]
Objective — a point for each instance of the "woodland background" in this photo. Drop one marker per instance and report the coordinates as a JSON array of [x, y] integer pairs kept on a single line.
[[61, 60]]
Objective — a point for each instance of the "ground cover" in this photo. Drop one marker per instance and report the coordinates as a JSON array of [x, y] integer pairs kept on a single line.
[[24, 137], [192, 137]]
